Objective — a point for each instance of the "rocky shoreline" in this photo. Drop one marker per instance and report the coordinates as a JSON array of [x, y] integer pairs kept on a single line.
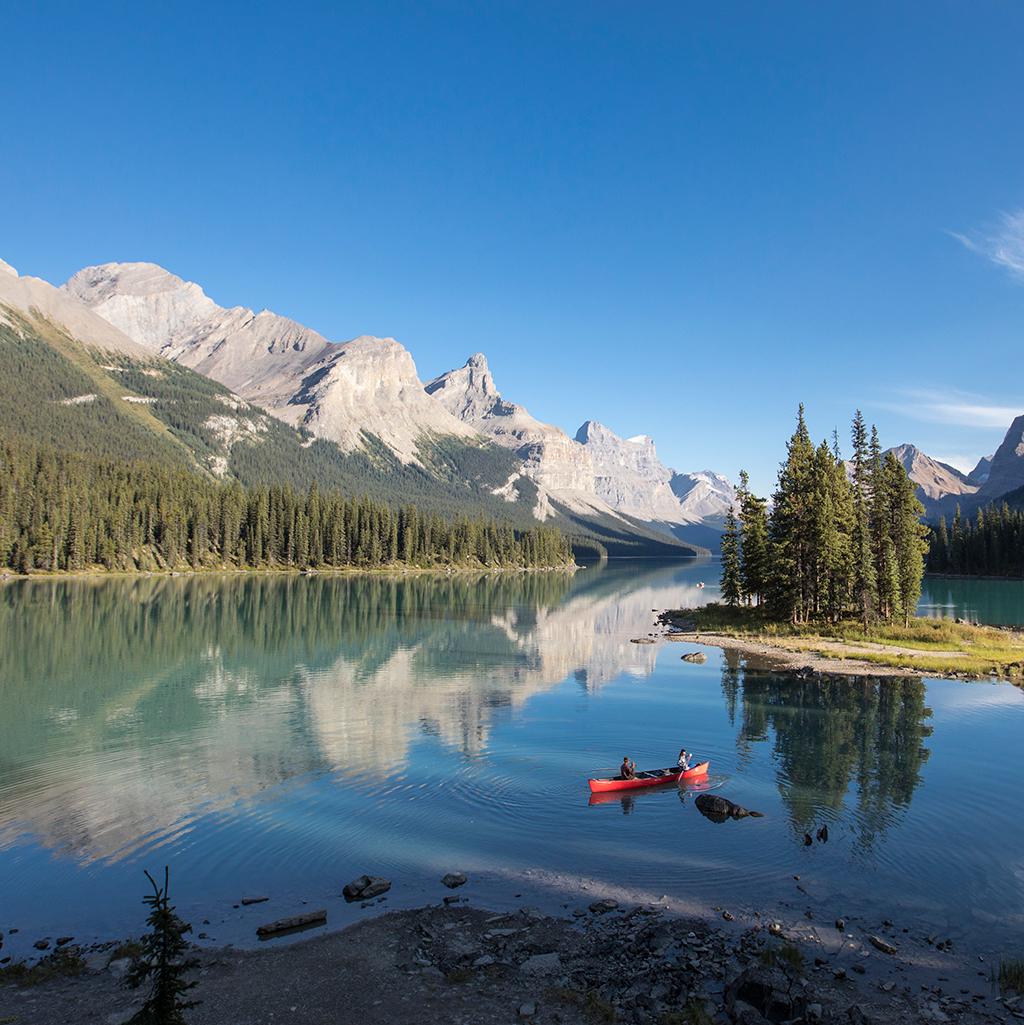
[[604, 962]]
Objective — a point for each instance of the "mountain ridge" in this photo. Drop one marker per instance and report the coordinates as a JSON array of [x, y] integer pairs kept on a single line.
[[76, 382], [288, 369]]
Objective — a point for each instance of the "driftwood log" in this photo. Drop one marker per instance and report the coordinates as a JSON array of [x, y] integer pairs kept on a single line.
[[295, 922]]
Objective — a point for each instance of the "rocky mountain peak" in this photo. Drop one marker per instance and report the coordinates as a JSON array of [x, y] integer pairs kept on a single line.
[[933, 478], [1006, 471], [341, 392], [155, 307], [705, 496], [629, 475], [981, 471], [34, 298], [469, 392]]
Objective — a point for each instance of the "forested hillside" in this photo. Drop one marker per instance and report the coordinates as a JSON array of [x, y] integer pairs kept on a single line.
[[61, 511], [72, 399], [991, 543]]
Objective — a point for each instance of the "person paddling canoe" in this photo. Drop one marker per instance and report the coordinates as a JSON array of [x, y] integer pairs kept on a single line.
[[627, 770], [684, 760]]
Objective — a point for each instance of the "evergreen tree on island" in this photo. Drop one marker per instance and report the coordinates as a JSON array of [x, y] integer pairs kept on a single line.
[[732, 585], [841, 540]]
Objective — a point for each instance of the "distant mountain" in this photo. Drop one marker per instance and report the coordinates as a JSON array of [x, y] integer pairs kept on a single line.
[[561, 469], [628, 474], [704, 497], [1006, 469], [935, 480], [942, 488], [41, 300], [979, 475], [597, 470]]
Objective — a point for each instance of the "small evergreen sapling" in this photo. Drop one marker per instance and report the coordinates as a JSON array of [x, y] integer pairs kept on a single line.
[[164, 962]]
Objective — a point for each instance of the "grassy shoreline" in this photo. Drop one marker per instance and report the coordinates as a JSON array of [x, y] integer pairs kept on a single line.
[[927, 647]]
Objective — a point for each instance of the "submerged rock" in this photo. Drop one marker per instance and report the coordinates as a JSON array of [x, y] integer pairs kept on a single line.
[[365, 887], [694, 656], [718, 809], [453, 879]]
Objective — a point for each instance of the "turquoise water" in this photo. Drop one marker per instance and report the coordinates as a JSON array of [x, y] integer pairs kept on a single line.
[[281, 735], [996, 602]]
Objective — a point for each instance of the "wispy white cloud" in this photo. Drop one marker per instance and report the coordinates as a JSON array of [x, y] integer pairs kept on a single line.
[[1003, 244], [959, 462], [958, 409]]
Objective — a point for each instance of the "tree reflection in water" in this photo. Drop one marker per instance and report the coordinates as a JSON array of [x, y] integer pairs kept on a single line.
[[831, 733]]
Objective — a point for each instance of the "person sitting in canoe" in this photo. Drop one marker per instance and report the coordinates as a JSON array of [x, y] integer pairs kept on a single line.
[[684, 760], [627, 770]]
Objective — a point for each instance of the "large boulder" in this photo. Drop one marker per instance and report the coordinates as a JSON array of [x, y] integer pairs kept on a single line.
[[770, 991]]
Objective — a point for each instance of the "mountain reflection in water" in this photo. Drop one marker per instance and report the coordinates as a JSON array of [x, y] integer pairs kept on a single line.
[[284, 733], [131, 704]]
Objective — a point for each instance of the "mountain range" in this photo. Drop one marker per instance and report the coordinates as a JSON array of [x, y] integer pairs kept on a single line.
[[942, 488], [133, 360], [138, 351]]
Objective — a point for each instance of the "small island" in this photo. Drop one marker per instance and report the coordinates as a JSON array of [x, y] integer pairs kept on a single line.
[[925, 647], [829, 578]]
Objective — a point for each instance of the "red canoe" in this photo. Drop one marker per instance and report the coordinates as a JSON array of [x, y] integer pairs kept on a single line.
[[651, 778]]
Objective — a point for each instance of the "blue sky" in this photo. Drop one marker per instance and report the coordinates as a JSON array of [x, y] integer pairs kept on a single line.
[[678, 219]]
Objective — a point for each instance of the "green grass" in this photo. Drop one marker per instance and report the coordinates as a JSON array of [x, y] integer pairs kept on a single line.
[[127, 948], [1011, 974], [787, 957], [936, 645], [61, 964]]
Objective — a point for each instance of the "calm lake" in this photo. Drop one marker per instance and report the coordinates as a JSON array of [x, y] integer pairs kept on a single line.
[[279, 736]]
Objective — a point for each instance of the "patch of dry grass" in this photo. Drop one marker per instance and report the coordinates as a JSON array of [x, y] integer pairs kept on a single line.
[[937, 646]]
